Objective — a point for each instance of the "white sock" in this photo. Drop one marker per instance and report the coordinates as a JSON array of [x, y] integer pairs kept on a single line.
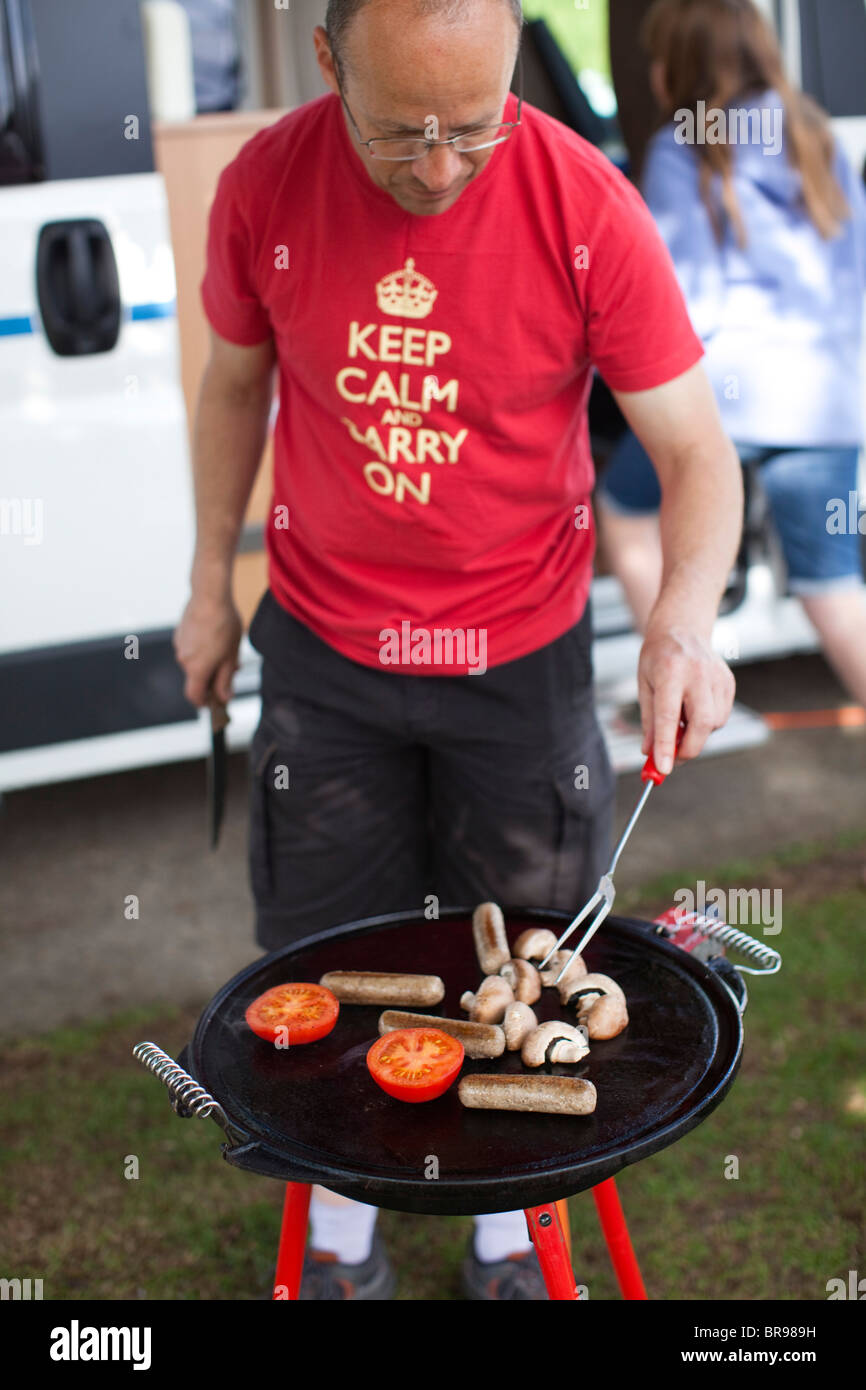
[[347, 1230], [500, 1234]]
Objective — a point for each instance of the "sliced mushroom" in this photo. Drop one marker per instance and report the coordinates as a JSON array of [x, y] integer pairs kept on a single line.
[[524, 980], [518, 1023], [600, 1005], [490, 1001], [573, 978], [554, 1042], [575, 963], [534, 944]]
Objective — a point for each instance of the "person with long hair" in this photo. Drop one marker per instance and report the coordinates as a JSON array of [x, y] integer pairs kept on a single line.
[[765, 221]]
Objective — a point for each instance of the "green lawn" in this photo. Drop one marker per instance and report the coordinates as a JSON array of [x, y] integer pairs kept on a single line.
[[76, 1105], [580, 30]]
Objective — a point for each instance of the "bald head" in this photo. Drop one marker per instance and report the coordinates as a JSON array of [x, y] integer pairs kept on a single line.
[[426, 72], [341, 13]]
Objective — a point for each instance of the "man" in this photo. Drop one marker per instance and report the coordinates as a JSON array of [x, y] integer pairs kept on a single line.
[[436, 304]]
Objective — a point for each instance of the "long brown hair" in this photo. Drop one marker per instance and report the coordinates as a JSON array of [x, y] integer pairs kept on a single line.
[[721, 52]]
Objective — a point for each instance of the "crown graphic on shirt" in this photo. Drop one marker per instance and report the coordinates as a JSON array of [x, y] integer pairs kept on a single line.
[[407, 293]]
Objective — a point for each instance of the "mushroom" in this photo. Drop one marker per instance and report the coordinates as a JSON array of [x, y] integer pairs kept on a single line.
[[572, 980], [534, 944], [524, 980], [490, 1002], [518, 1023], [575, 963], [600, 1005], [554, 1042]]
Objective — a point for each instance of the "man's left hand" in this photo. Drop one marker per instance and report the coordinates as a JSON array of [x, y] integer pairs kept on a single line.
[[679, 671]]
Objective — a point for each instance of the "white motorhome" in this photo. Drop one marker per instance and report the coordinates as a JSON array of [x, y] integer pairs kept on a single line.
[[96, 517]]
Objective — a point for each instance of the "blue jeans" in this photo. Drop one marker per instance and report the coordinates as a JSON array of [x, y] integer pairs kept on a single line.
[[806, 488]]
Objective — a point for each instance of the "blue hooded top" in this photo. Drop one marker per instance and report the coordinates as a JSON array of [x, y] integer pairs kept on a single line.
[[782, 319]]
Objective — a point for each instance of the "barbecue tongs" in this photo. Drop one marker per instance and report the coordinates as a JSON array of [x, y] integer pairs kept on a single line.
[[605, 892]]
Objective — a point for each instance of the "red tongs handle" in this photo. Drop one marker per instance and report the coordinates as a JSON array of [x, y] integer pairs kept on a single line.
[[650, 772]]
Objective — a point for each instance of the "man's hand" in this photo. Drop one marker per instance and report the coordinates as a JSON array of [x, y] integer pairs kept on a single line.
[[206, 646], [678, 670]]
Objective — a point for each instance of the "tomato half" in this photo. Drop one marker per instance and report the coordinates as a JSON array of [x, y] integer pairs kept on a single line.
[[415, 1063], [308, 1012]]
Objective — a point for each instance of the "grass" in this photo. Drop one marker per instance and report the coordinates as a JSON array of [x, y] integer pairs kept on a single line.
[[581, 30], [78, 1110]]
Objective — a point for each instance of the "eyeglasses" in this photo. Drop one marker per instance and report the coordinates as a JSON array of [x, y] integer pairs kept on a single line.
[[410, 149]]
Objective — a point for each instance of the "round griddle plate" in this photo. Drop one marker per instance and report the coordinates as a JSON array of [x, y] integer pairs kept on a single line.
[[314, 1114]]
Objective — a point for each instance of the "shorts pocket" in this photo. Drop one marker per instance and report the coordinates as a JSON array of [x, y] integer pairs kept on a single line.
[[580, 638]]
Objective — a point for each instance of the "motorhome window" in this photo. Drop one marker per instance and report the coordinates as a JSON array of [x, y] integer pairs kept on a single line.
[[7, 100], [18, 158]]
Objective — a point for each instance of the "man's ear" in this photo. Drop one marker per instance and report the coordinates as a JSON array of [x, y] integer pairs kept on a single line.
[[325, 58]]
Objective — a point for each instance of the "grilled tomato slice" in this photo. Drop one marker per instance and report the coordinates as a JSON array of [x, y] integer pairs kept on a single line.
[[415, 1064], [308, 1012]]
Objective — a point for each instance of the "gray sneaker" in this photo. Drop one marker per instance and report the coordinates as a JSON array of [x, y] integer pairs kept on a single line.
[[324, 1277], [518, 1276]]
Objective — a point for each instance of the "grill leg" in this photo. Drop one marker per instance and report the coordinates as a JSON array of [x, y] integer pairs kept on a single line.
[[618, 1241], [293, 1239], [550, 1241]]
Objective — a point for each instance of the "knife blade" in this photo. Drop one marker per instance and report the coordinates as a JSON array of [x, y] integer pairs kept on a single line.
[[216, 768]]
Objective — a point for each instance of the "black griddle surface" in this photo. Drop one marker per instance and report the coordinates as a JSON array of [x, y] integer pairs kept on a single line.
[[314, 1114]]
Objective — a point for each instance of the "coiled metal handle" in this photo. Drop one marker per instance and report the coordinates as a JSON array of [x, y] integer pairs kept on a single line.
[[770, 960], [188, 1097]]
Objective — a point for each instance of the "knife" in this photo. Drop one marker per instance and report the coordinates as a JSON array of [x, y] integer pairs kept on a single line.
[[216, 767]]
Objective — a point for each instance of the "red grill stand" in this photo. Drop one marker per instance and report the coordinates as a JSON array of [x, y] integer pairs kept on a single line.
[[293, 1239], [545, 1231]]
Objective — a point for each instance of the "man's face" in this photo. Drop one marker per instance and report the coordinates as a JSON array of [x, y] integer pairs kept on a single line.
[[406, 76]]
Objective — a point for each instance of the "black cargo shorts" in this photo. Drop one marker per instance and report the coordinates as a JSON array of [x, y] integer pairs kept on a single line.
[[372, 792]]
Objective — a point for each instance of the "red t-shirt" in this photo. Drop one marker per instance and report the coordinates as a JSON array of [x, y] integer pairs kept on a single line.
[[432, 471]]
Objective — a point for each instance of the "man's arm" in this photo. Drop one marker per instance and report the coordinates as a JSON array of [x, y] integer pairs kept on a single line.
[[230, 432], [701, 522]]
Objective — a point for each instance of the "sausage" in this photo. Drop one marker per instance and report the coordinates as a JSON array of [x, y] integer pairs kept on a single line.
[[491, 943], [552, 1095], [478, 1039], [383, 987]]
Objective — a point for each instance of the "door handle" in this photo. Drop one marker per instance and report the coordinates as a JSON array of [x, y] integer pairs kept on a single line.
[[78, 287]]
